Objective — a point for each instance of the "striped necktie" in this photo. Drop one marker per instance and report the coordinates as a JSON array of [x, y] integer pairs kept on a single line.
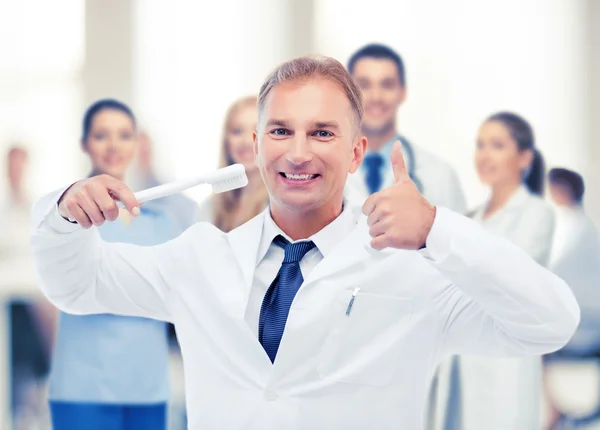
[[278, 299]]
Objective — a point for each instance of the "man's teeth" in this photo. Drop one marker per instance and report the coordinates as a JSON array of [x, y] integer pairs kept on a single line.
[[299, 177]]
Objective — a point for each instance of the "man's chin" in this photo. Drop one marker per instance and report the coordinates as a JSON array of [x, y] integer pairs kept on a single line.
[[298, 202], [376, 128]]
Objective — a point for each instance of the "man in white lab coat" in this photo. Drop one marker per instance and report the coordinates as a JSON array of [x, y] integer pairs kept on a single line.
[[311, 315], [575, 257], [380, 73]]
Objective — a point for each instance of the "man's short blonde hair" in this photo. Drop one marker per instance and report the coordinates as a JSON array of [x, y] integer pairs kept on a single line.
[[304, 68]]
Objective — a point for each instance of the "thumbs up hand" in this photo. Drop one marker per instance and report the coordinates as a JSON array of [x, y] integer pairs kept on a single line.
[[399, 216]]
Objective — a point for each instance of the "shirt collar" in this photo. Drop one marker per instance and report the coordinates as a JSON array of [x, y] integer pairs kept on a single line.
[[325, 240]]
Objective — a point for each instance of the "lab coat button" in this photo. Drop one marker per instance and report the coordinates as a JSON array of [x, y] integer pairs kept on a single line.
[[271, 395]]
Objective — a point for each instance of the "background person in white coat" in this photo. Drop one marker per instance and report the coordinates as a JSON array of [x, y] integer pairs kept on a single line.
[[573, 373], [379, 72], [310, 315], [504, 393], [233, 208]]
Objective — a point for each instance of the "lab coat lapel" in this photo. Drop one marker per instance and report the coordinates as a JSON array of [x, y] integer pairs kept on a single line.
[[513, 204], [244, 241], [350, 251]]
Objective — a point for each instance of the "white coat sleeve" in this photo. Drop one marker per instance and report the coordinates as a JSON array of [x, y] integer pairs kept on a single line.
[[499, 301], [81, 274]]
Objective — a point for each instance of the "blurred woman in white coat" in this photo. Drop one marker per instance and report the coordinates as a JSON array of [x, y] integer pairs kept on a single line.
[[504, 393], [233, 208]]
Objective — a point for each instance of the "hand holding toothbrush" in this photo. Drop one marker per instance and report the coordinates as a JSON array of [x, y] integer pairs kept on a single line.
[[96, 200]]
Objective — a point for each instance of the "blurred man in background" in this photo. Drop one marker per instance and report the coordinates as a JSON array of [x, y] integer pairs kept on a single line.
[[380, 74], [572, 373]]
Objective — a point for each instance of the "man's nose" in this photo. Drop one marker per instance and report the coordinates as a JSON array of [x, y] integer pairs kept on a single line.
[[299, 152]]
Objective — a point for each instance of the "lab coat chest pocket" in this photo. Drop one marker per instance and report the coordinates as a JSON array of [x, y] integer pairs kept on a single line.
[[363, 346]]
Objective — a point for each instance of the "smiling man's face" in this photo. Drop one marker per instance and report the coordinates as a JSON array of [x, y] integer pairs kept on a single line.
[[306, 144]]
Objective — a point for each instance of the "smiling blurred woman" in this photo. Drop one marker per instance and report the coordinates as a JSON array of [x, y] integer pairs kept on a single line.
[[109, 371], [504, 393]]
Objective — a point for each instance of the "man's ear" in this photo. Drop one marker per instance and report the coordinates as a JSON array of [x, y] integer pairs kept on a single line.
[[359, 148]]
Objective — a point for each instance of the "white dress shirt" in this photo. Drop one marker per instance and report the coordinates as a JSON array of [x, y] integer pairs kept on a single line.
[[338, 366], [270, 258]]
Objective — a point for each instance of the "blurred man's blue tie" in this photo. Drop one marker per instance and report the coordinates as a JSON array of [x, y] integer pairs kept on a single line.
[[373, 162], [278, 299]]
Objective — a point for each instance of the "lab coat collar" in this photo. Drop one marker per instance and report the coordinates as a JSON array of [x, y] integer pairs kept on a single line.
[[346, 244], [244, 241], [325, 240], [520, 196]]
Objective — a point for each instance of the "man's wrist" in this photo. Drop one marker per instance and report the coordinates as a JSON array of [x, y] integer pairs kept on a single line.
[[430, 221], [61, 210]]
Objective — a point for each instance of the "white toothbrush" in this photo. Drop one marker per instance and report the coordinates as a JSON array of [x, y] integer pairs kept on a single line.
[[225, 179]]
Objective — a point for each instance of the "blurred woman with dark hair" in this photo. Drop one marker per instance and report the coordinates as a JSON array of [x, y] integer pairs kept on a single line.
[[110, 371], [504, 393]]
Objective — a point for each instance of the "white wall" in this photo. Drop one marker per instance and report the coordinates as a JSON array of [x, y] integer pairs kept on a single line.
[[593, 50], [192, 63], [466, 59], [41, 56]]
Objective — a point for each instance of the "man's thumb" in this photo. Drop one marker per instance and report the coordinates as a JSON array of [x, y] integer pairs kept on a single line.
[[398, 165]]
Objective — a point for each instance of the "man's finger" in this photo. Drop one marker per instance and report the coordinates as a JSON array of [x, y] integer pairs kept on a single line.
[[373, 217], [88, 205], [380, 242], [370, 204], [377, 229], [77, 214], [123, 194], [108, 206]]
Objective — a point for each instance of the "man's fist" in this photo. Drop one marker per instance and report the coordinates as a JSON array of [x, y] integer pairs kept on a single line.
[[93, 201], [399, 217]]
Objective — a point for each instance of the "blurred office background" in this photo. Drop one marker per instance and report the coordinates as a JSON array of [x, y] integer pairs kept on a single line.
[[180, 63]]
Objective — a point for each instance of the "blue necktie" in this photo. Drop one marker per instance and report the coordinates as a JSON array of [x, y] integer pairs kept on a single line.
[[373, 162], [278, 299]]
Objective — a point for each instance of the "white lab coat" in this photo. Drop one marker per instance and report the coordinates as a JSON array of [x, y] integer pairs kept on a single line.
[[441, 186], [576, 259], [467, 292], [505, 393], [205, 210], [440, 183]]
